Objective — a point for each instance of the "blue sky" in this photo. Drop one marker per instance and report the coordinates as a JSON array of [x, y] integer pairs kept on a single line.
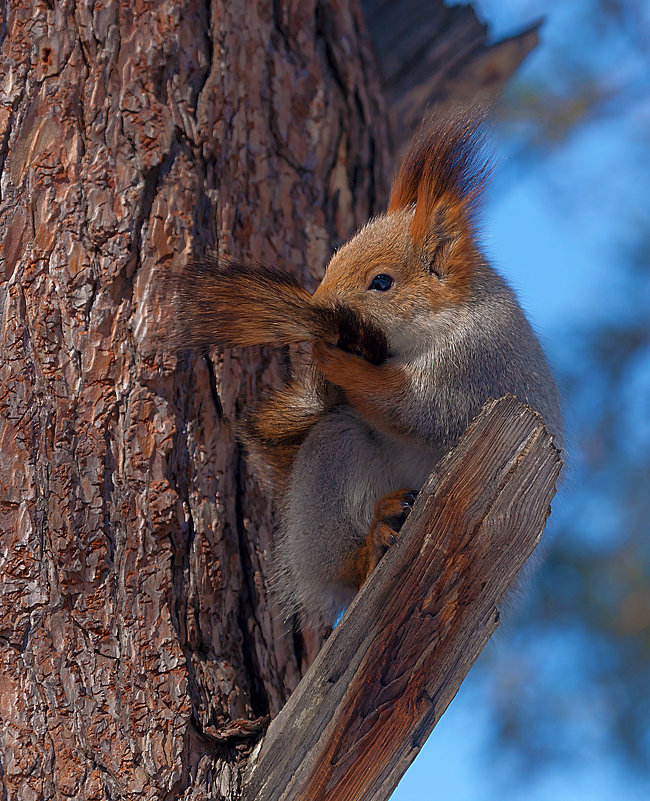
[[553, 226]]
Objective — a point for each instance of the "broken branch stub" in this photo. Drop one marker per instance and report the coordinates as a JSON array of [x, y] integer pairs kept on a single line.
[[391, 667]]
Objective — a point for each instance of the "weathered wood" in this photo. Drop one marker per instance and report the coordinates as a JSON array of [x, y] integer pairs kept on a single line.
[[391, 667]]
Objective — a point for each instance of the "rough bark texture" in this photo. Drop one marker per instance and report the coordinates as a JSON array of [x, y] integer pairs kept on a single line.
[[141, 653], [136, 624]]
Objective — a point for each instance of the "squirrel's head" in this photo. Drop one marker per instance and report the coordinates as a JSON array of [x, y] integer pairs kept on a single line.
[[404, 271]]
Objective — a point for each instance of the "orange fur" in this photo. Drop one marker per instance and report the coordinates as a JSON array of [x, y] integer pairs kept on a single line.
[[363, 560], [444, 163], [277, 428], [357, 567], [235, 305], [373, 390], [442, 177]]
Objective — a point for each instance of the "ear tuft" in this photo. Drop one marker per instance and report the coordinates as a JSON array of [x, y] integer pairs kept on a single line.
[[446, 163]]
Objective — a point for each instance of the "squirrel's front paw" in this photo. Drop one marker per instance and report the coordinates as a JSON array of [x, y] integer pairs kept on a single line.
[[391, 512], [337, 365]]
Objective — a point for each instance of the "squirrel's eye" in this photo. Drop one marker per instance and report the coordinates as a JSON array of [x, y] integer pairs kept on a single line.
[[381, 282]]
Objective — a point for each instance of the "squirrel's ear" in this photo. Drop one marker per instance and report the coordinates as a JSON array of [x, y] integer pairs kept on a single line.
[[442, 239], [443, 173]]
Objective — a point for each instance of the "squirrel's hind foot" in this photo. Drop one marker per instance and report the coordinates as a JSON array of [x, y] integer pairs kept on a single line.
[[390, 515], [391, 512]]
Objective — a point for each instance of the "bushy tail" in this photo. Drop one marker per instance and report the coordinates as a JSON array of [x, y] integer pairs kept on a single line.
[[239, 305]]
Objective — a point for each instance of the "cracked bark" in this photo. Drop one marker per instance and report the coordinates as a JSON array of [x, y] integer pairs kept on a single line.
[[141, 652]]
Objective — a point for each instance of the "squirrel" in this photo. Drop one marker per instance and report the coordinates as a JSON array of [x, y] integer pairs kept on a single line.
[[411, 332]]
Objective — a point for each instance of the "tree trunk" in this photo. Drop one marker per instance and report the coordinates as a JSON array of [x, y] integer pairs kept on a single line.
[[141, 652]]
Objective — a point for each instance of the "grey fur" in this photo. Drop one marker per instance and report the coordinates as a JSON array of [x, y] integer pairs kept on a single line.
[[342, 469], [457, 359]]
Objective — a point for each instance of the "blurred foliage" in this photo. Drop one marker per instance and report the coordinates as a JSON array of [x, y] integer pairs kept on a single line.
[[586, 633]]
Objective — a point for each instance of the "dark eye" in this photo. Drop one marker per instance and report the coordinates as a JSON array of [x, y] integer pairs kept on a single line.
[[381, 282]]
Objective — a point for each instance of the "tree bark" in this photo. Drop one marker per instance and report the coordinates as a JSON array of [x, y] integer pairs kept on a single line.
[[142, 654], [433, 55]]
